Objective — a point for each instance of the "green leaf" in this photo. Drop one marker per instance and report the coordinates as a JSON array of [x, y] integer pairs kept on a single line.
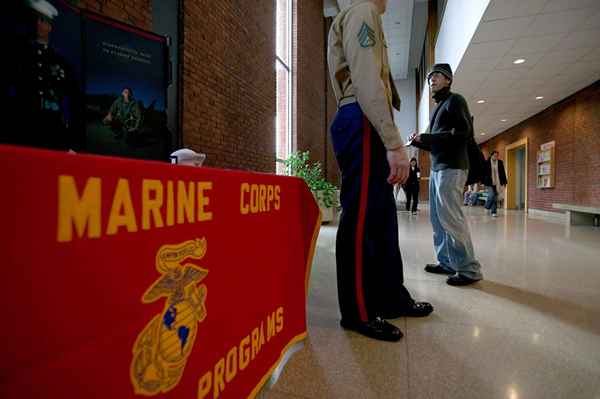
[[299, 165]]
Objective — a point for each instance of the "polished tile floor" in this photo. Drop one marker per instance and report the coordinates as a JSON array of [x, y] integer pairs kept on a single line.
[[530, 330]]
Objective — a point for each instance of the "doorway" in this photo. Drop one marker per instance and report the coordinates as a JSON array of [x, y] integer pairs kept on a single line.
[[516, 171]]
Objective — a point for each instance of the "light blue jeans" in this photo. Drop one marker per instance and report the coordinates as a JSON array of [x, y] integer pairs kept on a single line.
[[492, 199], [451, 236]]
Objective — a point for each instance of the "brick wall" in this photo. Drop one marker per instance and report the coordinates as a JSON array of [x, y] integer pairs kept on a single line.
[[229, 82], [574, 124], [314, 101], [133, 12]]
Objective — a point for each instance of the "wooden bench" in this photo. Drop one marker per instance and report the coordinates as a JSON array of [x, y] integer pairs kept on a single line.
[[577, 214]]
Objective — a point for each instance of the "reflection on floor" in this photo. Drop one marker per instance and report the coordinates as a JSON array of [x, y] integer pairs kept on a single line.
[[530, 330]]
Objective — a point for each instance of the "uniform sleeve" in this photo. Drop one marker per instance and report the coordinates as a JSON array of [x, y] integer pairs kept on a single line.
[[363, 46]]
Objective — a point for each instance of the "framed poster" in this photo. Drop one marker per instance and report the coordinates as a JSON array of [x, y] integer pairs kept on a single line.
[[125, 90], [78, 81]]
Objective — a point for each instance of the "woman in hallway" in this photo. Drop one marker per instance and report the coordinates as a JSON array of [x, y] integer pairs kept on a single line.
[[411, 187], [495, 181]]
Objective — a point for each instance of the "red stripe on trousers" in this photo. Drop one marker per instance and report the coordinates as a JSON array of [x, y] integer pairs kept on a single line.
[[362, 214]]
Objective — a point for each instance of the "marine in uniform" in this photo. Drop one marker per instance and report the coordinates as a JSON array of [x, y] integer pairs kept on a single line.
[[40, 88], [124, 115], [371, 156]]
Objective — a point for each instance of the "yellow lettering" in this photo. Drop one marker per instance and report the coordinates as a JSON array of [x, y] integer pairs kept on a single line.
[[121, 202], [185, 202], [258, 198], [279, 320], [261, 340], [263, 196], [81, 211], [170, 204], [277, 202], [151, 205], [244, 352], [270, 326], [270, 195], [219, 383], [205, 385], [244, 208], [255, 347], [231, 364], [254, 198], [203, 201]]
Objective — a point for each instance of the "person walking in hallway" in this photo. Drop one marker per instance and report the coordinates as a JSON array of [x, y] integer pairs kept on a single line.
[[372, 158], [411, 187], [495, 181], [450, 128]]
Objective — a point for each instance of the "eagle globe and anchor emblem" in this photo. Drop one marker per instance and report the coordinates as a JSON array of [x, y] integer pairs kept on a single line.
[[161, 350]]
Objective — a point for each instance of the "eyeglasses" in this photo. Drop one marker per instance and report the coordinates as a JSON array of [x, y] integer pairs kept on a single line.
[[436, 74]]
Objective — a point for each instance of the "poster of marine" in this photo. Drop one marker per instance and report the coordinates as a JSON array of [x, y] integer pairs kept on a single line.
[[79, 81]]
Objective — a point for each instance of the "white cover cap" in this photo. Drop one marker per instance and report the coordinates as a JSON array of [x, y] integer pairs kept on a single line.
[[186, 156], [44, 8]]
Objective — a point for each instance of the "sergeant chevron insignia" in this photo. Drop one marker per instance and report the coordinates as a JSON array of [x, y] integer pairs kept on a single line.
[[366, 36]]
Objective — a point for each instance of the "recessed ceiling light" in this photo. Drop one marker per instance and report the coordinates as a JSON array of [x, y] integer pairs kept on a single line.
[[502, 120], [539, 97], [519, 61], [483, 134], [481, 102]]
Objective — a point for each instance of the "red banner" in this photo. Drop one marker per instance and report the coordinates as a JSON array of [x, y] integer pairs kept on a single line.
[[127, 278]]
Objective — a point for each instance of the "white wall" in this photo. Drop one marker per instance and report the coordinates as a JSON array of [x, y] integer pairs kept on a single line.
[[461, 19], [424, 109], [406, 118]]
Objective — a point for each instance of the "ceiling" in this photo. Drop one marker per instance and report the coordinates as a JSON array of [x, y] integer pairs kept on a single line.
[[559, 41], [397, 25]]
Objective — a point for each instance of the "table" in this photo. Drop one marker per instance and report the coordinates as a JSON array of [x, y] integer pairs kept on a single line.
[[126, 278]]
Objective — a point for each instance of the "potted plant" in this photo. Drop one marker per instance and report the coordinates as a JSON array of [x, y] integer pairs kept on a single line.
[[325, 193]]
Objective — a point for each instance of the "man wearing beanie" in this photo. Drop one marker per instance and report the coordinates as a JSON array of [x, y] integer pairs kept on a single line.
[[450, 128], [370, 153]]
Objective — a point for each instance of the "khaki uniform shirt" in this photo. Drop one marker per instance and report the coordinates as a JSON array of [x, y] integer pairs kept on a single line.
[[359, 68]]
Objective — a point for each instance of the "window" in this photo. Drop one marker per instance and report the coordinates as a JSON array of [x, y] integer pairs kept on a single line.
[[283, 73]]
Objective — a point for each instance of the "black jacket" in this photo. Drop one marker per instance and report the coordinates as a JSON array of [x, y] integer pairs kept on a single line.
[[488, 173], [450, 126], [413, 179]]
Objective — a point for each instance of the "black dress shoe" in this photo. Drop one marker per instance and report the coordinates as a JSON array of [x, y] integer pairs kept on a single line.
[[460, 280], [437, 269], [417, 309], [376, 328]]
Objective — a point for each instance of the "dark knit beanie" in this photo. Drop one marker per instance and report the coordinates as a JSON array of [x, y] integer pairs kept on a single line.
[[444, 69]]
